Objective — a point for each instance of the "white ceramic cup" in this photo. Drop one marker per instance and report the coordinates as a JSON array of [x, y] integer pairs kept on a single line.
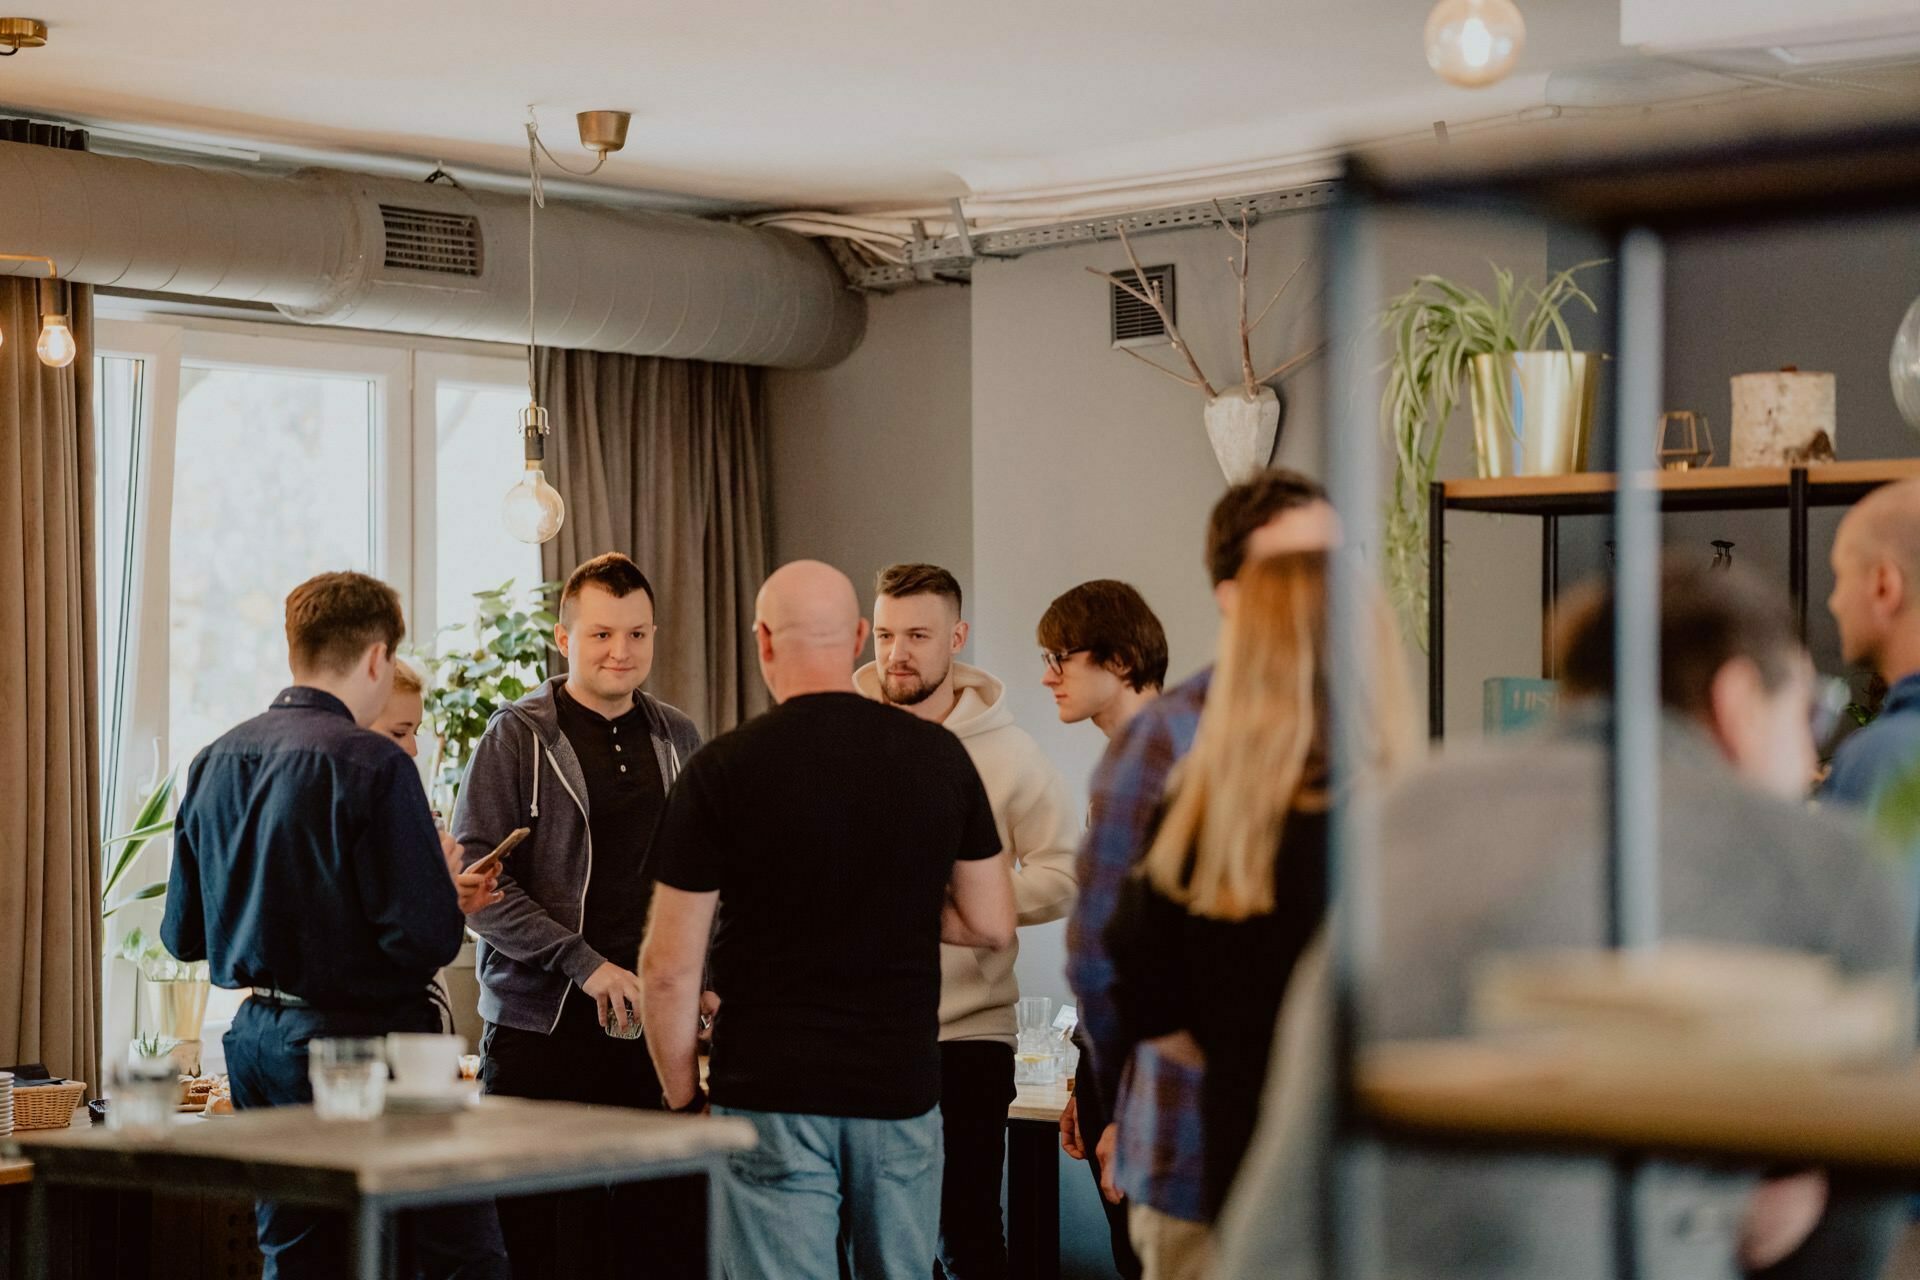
[[423, 1062]]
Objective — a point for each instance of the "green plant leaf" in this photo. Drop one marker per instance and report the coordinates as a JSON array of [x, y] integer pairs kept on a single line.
[[145, 893]]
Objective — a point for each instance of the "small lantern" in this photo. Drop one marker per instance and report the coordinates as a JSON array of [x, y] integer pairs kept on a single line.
[[1686, 442]]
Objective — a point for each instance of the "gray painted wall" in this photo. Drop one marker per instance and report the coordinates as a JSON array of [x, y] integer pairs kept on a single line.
[[870, 460], [1824, 297]]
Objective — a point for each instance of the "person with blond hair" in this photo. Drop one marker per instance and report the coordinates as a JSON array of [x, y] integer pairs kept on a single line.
[[1234, 882]]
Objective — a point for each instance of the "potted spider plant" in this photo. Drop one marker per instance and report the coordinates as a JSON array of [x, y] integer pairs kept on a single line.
[[1532, 406]]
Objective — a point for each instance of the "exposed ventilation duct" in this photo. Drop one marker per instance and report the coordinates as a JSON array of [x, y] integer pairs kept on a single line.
[[327, 247]]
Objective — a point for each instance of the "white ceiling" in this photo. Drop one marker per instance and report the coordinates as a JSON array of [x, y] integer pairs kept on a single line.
[[810, 103]]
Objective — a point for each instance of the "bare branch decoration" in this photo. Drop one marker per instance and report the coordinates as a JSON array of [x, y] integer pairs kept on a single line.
[[1239, 264]]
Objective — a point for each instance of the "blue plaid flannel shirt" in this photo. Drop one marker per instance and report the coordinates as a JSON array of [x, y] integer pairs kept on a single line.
[[1155, 1101]]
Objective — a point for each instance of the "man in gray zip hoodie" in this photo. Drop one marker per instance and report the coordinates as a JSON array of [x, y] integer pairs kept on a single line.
[[585, 762]]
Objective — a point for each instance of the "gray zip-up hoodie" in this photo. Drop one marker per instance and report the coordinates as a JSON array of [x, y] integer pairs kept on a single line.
[[525, 774]]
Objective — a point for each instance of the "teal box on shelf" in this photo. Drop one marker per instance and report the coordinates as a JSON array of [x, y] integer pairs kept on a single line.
[[1512, 703]]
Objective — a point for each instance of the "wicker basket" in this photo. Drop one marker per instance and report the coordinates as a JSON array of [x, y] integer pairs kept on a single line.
[[50, 1106]]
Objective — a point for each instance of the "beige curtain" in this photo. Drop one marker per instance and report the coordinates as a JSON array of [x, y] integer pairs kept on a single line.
[[49, 723], [665, 461]]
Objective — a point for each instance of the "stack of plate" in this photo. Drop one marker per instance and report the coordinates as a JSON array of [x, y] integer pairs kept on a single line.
[[6, 1103]]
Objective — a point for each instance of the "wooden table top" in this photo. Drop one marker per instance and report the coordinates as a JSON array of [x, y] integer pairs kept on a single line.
[[500, 1140], [1477, 1091], [15, 1172], [1040, 1102]]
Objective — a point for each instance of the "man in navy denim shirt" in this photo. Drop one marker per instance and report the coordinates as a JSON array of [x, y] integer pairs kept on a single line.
[[306, 867], [1876, 601]]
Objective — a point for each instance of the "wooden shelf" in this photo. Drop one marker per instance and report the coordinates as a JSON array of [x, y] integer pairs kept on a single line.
[[1708, 489], [1473, 1092], [15, 1172]]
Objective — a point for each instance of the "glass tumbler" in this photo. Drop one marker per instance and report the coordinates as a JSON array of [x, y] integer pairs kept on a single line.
[[349, 1077], [1033, 1058]]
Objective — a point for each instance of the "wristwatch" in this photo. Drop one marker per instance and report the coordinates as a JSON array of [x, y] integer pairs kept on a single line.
[[695, 1105]]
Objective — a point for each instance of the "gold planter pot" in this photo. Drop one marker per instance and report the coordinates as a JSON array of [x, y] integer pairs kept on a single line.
[[174, 1008], [1533, 411]]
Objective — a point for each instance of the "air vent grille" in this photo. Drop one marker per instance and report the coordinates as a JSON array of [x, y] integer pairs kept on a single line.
[[446, 244], [1134, 322]]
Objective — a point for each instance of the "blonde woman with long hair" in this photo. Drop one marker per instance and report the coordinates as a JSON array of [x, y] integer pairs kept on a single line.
[[1234, 883]]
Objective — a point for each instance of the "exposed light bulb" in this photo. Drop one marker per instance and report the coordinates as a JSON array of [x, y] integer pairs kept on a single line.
[[56, 346], [1473, 43], [533, 510]]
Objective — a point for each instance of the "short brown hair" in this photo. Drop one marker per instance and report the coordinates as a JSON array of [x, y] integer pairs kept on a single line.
[[1112, 624], [1247, 506], [900, 580], [1708, 618], [333, 617], [613, 573]]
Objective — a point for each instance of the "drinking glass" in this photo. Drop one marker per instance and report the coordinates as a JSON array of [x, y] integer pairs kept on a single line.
[[349, 1077], [1033, 1061], [144, 1092]]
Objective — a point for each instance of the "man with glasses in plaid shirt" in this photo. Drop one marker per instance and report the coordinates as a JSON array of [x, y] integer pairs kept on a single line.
[[1151, 1152]]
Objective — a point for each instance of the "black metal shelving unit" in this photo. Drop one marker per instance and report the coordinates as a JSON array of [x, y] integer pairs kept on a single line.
[[1630, 193], [1795, 490]]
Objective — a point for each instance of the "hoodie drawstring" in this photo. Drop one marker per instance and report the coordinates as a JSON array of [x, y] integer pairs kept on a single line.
[[533, 811]]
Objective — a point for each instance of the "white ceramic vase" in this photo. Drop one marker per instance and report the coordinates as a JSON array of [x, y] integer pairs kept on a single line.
[[1243, 430]]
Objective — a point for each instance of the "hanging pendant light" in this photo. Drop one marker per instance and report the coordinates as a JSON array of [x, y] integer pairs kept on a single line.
[[56, 347], [1473, 43], [533, 510]]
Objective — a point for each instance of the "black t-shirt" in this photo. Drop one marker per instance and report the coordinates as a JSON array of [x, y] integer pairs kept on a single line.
[[829, 826], [625, 795]]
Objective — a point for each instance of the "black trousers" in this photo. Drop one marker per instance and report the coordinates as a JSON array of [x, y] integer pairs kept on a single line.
[[976, 1087], [1094, 1117], [267, 1066], [647, 1230]]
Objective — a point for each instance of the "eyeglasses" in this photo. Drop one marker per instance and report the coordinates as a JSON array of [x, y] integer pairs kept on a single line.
[[1057, 660]]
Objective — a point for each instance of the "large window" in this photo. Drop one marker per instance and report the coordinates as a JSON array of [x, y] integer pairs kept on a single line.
[[234, 464], [273, 482], [235, 461], [477, 456]]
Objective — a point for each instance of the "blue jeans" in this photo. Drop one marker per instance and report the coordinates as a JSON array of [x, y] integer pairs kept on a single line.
[[267, 1065], [814, 1181]]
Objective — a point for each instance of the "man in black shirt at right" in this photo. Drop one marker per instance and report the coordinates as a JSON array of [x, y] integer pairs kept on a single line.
[[585, 761]]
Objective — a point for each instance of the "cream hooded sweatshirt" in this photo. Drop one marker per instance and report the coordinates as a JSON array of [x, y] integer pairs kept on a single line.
[[1036, 825]]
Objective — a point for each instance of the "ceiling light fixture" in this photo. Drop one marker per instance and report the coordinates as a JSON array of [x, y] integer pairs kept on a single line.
[[1474, 43], [533, 510], [56, 347], [21, 33]]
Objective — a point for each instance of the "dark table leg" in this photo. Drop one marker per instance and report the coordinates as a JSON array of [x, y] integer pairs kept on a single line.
[[1797, 578], [38, 1246], [716, 1214], [369, 1241], [1033, 1201]]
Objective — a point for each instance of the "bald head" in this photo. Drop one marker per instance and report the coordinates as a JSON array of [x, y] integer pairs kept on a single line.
[[810, 629], [1876, 579]]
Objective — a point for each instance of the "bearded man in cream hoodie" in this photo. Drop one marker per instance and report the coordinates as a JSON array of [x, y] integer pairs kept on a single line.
[[917, 630]]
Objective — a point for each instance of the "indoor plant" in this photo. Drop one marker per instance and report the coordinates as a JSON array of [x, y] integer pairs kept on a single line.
[[172, 992], [1447, 336], [507, 657]]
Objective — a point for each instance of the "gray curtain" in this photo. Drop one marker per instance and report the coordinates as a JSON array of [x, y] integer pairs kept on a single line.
[[665, 460], [49, 701]]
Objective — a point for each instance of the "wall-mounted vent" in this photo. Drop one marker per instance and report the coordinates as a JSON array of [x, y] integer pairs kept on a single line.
[[446, 244], [1134, 322]]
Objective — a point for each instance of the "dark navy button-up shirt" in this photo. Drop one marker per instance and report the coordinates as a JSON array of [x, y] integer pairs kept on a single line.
[[305, 858]]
